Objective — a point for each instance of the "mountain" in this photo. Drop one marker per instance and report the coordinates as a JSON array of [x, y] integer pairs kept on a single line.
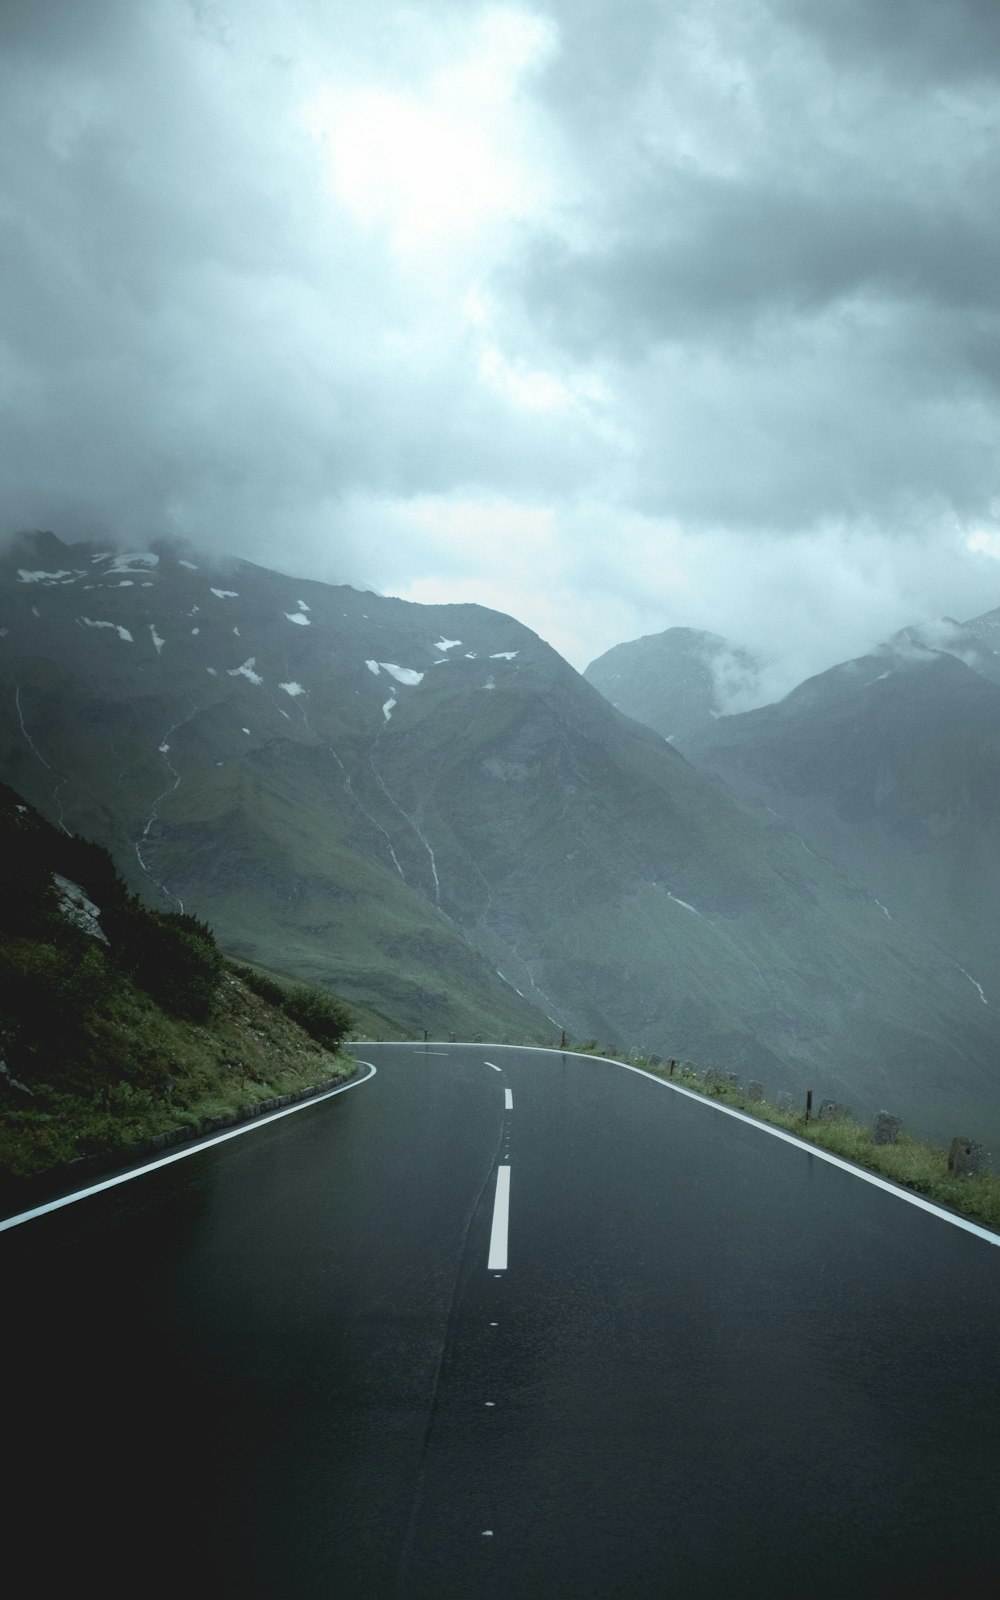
[[404, 802], [890, 766], [220, 732], [976, 643], [676, 682]]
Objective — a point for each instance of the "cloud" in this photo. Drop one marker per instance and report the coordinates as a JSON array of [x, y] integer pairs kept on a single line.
[[615, 317]]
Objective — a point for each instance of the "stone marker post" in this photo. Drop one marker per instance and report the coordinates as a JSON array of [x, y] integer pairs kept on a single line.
[[885, 1129], [967, 1156]]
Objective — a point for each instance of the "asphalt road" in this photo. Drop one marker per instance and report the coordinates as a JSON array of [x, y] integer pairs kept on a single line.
[[704, 1361]]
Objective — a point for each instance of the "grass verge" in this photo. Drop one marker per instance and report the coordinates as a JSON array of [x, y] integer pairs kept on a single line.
[[911, 1163], [160, 1073]]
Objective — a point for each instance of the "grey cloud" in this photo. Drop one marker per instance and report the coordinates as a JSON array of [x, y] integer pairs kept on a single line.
[[768, 279], [63, 30], [733, 252], [925, 41], [193, 342]]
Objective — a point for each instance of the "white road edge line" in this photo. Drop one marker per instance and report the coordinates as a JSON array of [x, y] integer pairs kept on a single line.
[[508, 1100], [498, 1234], [493, 1065], [776, 1133], [181, 1155], [814, 1150]]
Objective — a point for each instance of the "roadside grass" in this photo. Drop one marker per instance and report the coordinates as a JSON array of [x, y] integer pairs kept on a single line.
[[911, 1163], [142, 1072]]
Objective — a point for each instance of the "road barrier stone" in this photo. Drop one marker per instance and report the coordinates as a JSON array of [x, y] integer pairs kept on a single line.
[[965, 1156]]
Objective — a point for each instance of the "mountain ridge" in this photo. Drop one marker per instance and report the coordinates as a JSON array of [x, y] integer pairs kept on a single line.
[[429, 810]]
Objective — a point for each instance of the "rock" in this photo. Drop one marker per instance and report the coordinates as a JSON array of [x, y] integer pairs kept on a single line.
[[733, 1080], [833, 1111], [656, 1061], [755, 1090], [77, 908], [885, 1129], [785, 1101], [966, 1156], [14, 1083]]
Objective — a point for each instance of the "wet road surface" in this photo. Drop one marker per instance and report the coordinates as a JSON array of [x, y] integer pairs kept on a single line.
[[507, 1323]]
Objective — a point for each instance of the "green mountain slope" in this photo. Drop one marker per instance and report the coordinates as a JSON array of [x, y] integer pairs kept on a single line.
[[120, 1026], [890, 765], [426, 808]]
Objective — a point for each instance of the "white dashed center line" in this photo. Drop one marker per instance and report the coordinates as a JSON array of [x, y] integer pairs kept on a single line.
[[508, 1100], [498, 1236]]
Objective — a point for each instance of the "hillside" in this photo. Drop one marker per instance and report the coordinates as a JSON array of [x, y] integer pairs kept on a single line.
[[427, 810], [890, 765], [119, 1026], [676, 682]]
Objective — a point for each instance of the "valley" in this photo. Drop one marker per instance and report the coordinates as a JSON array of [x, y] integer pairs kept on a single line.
[[428, 811]]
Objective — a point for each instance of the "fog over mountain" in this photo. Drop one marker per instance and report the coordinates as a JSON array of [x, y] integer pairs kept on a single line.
[[612, 317]]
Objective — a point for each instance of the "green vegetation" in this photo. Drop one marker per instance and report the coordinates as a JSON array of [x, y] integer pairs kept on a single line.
[[119, 1024], [325, 1018], [911, 1163]]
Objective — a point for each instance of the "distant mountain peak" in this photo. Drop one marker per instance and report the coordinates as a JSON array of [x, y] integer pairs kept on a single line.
[[677, 682]]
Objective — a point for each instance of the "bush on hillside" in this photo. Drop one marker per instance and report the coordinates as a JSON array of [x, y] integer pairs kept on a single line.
[[171, 955], [48, 994], [260, 984], [325, 1018]]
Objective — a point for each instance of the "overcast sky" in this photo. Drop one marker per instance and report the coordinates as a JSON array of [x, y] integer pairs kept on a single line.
[[610, 314]]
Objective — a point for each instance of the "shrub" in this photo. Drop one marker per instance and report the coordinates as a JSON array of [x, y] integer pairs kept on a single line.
[[325, 1018], [172, 956], [48, 995], [260, 984]]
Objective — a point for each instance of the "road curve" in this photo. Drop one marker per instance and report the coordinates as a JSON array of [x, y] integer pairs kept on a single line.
[[503, 1322]]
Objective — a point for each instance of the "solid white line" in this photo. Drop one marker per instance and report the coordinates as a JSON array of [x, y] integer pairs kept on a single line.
[[498, 1235], [181, 1155], [491, 1064], [814, 1150], [508, 1100]]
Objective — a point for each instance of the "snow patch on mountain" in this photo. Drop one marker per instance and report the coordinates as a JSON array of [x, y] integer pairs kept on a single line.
[[139, 562], [402, 674], [245, 671], [158, 642], [189, 564], [299, 617], [122, 633], [975, 985], [504, 655], [293, 689], [226, 594], [387, 708], [687, 907], [446, 644], [372, 667], [24, 576]]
